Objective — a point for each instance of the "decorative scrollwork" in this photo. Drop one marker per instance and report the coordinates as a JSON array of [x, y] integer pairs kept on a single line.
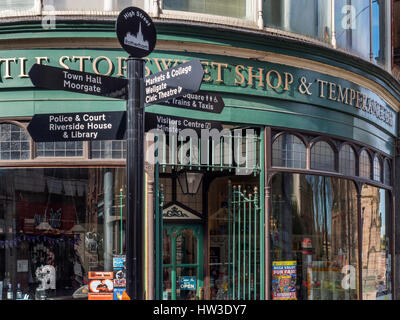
[[174, 212]]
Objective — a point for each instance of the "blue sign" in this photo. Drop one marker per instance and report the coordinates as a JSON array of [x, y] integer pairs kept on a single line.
[[187, 283]]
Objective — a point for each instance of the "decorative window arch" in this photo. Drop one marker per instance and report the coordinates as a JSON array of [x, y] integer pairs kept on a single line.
[[289, 151], [15, 142], [347, 160], [365, 164], [322, 156]]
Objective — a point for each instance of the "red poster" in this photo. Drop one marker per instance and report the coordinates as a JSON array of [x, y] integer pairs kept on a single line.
[[36, 218], [101, 285]]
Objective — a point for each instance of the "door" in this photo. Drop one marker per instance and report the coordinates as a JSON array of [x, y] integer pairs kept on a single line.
[[182, 261]]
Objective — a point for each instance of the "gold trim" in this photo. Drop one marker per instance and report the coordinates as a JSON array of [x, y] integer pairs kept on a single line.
[[224, 50]]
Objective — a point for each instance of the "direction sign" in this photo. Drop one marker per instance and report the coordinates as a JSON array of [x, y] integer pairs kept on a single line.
[[200, 100], [173, 124], [77, 81], [173, 82], [78, 126], [136, 32]]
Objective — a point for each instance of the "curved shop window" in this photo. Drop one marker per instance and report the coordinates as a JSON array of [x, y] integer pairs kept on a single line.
[[289, 151], [358, 26], [314, 227], [57, 225]]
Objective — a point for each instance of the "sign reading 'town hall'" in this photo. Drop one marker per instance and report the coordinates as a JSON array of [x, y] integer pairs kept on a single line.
[[77, 81], [78, 126]]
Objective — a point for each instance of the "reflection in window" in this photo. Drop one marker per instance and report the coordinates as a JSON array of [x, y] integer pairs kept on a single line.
[[14, 142], [365, 165], [68, 218], [13, 7], [60, 149], [289, 151], [314, 222], [322, 157], [347, 160], [387, 172], [229, 8], [377, 169], [108, 149], [315, 22], [376, 274]]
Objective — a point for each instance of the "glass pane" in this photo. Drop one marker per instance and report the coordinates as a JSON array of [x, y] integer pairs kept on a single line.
[[379, 37], [365, 165], [377, 169], [70, 220], [166, 248], [376, 257], [314, 228], [347, 161], [108, 149], [387, 172], [186, 247], [11, 7], [315, 19], [230, 8], [60, 149], [289, 151], [93, 5], [14, 142], [322, 157], [352, 26]]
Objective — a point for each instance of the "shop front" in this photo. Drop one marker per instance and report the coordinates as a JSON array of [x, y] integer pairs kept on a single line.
[[289, 197]]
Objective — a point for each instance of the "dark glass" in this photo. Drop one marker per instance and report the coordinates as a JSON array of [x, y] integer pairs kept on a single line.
[[322, 157], [347, 160], [289, 151]]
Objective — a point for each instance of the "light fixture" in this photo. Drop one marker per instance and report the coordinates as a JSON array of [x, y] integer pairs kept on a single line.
[[190, 181]]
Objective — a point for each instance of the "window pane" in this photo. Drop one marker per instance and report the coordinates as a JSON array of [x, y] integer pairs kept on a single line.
[[70, 219], [315, 19], [387, 172], [314, 223], [365, 165], [60, 149], [377, 169], [14, 142], [322, 157], [347, 161], [289, 151], [352, 26], [230, 8], [108, 149], [93, 5], [376, 263], [12, 7]]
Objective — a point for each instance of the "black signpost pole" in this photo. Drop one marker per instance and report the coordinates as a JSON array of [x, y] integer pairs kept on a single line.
[[135, 178]]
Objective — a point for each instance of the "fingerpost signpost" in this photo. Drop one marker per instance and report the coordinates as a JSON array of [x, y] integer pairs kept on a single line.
[[171, 87]]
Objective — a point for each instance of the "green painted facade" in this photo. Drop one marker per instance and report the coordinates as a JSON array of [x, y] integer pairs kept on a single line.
[[255, 92]]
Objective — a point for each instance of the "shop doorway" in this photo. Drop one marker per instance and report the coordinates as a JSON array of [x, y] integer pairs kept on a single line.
[[182, 261]]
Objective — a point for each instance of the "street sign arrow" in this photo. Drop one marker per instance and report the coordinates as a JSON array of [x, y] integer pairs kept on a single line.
[[200, 100], [174, 124], [76, 81], [78, 126], [173, 82]]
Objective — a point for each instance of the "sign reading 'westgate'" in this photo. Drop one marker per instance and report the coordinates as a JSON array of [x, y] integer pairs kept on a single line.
[[78, 126], [173, 82]]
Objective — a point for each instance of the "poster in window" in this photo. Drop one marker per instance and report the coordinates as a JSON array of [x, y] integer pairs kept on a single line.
[[284, 280]]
